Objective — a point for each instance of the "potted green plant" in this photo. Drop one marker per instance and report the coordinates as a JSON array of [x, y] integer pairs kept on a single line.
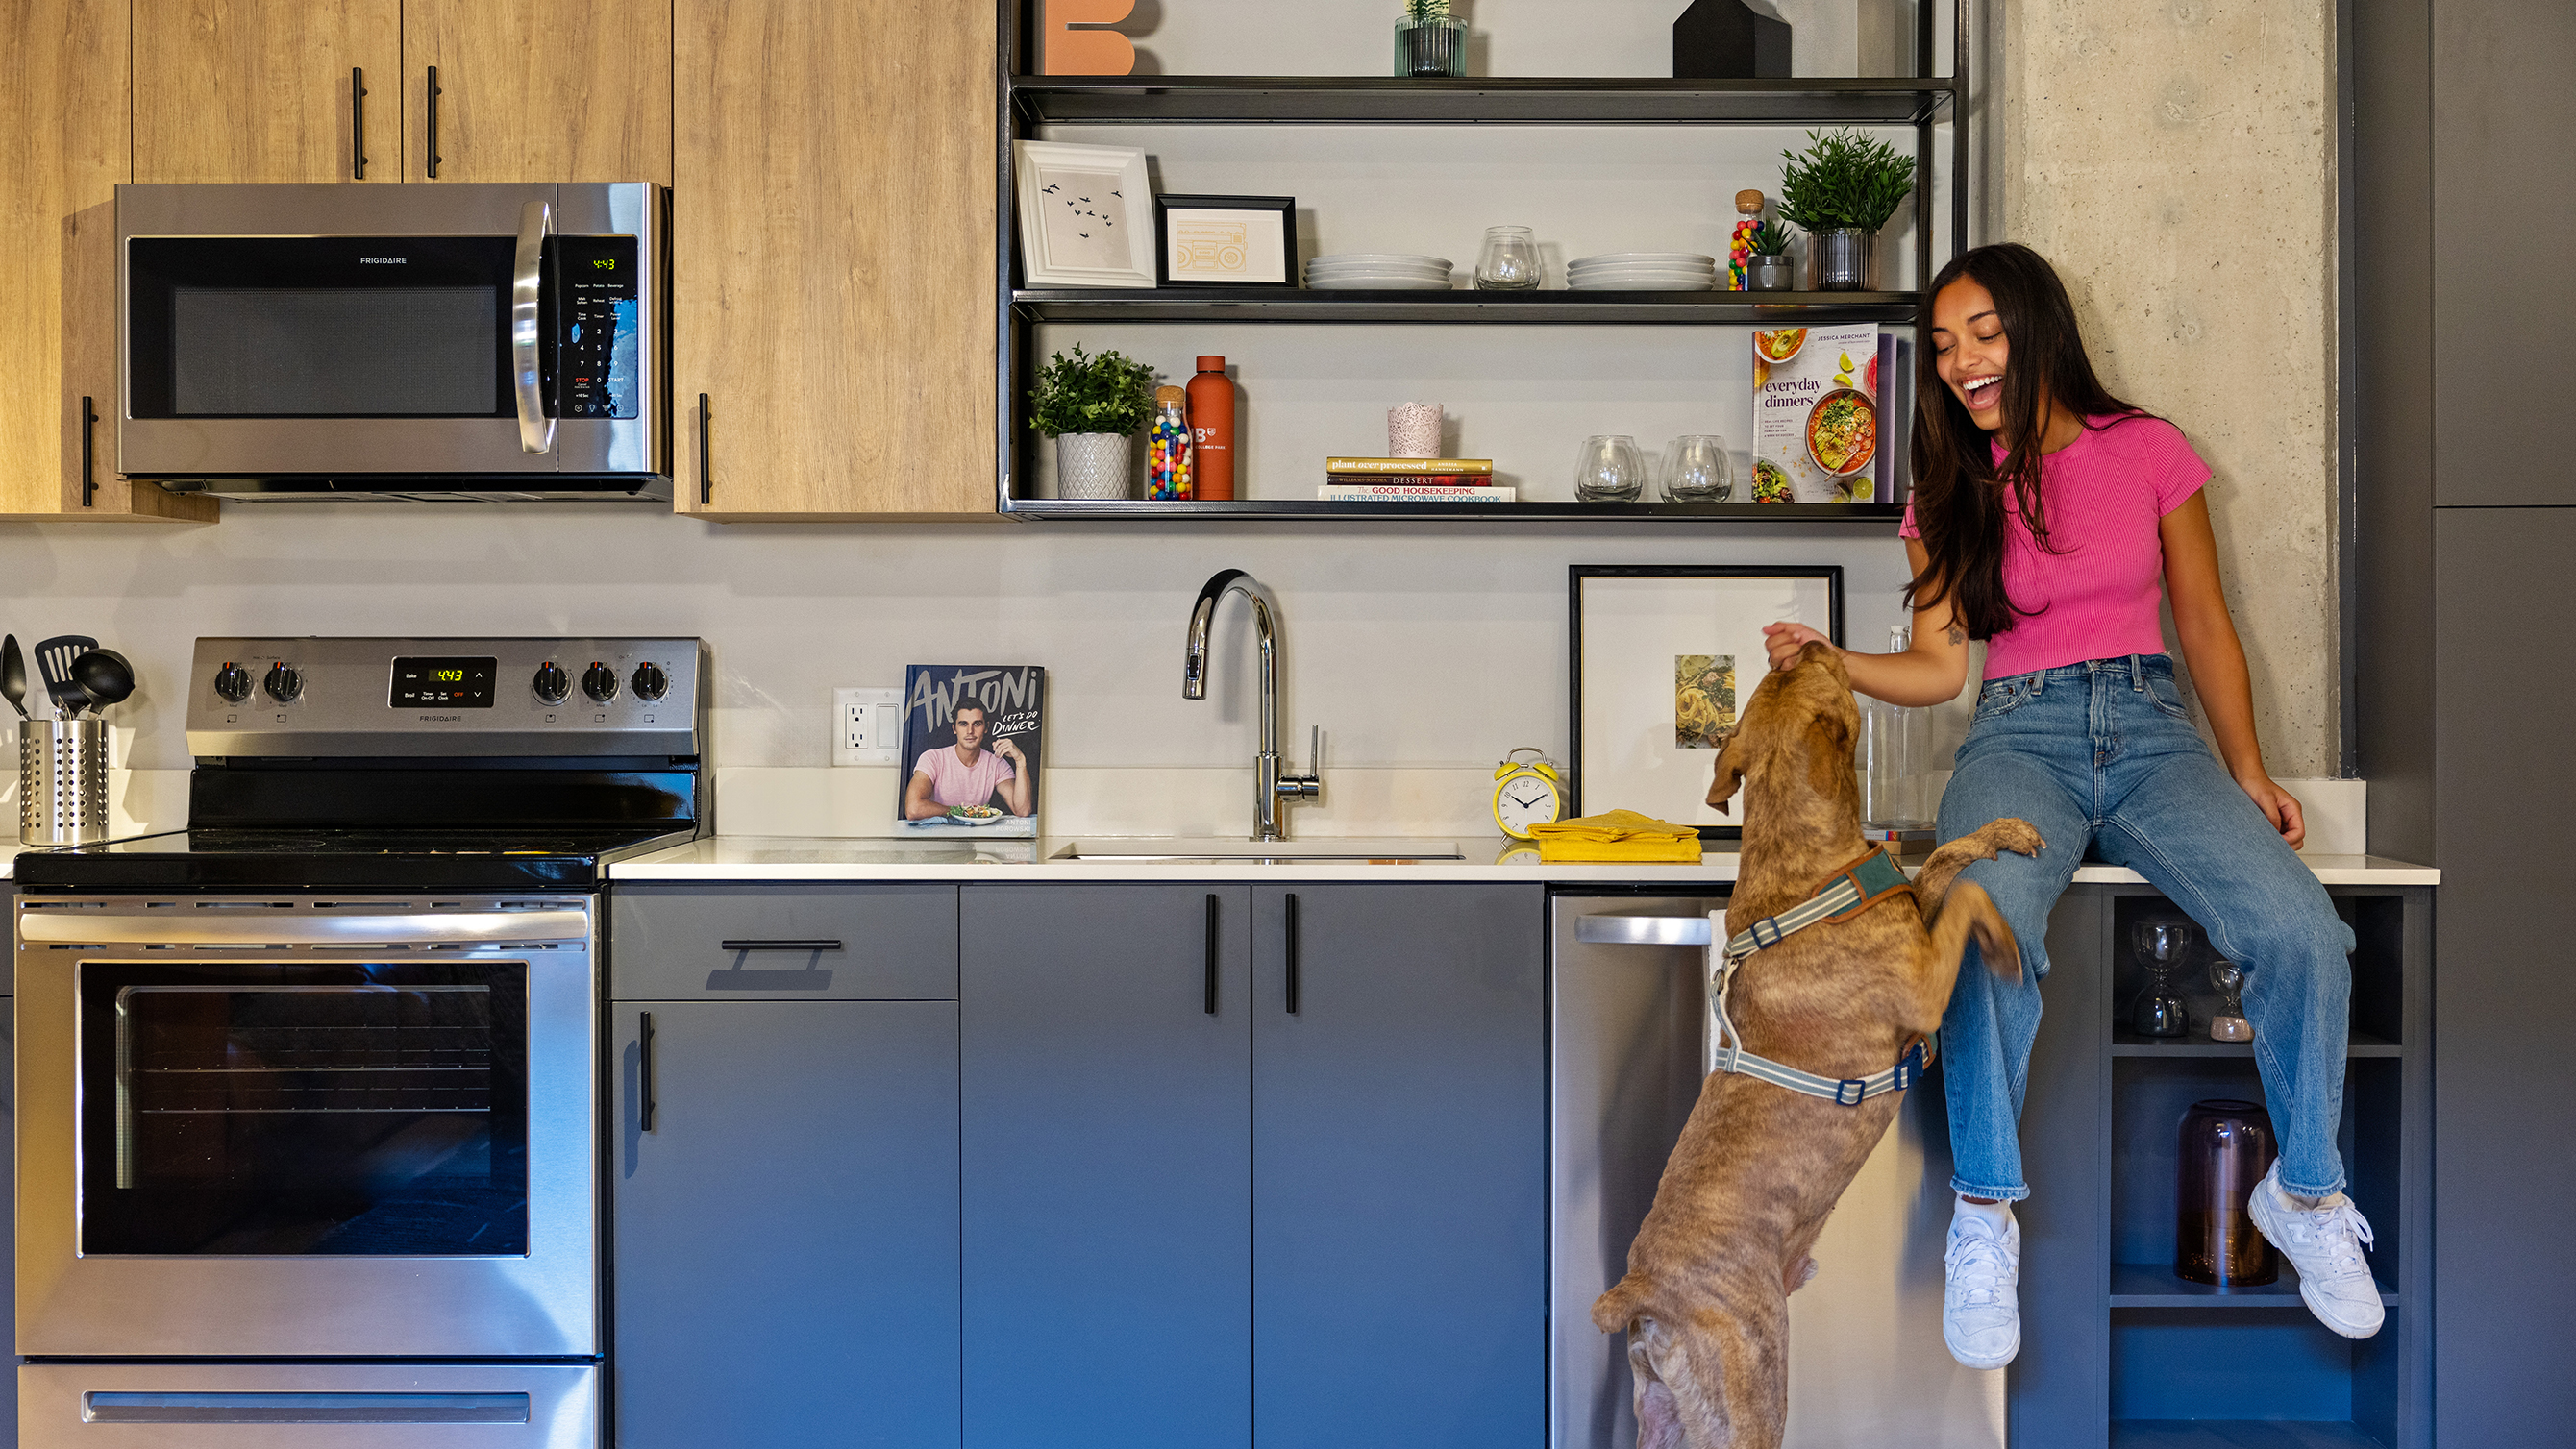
[[1428, 41], [1769, 267], [1840, 191], [1092, 407]]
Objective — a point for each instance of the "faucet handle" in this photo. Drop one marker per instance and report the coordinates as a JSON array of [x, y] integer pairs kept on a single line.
[[1315, 753]]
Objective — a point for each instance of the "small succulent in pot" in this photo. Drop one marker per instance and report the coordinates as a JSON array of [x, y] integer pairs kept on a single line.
[[1092, 406], [1429, 41], [1841, 190], [1769, 268]]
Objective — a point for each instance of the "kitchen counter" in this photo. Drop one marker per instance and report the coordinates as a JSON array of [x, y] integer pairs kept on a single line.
[[808, 858]]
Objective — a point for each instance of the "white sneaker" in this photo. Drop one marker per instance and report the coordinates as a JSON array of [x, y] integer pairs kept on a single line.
[[2324, 1244], [1980, 1307]]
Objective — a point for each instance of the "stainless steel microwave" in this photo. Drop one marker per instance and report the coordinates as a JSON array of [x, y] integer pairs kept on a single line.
[[423, 341]]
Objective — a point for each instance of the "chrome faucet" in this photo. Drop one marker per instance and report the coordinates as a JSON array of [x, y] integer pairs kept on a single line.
[[1272, 791]]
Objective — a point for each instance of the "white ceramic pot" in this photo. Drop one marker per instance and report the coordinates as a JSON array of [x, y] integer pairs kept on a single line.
[[1091, 465]]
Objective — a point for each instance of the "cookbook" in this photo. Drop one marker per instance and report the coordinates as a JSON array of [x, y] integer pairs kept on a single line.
[[971, 749], [1815, 414]]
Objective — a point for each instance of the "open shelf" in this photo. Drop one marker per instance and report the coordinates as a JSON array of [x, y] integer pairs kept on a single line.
[[1280, 304], [2153, 1285], [2238, 1434], [1478, 100], [2130, 1044], [1867, 515]]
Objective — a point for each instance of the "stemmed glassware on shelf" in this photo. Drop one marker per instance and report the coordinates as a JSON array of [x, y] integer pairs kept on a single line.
[[1696, 470], [2164, 947], [1609, 470]]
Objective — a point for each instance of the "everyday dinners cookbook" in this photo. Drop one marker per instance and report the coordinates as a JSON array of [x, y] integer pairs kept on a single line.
[[1815, 414]]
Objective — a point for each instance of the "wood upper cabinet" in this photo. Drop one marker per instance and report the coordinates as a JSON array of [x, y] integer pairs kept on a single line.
[[66, 146], [537, 90], [259, 90], [833, 237]]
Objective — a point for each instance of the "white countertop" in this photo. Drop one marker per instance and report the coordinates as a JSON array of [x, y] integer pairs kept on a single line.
[[813, 858]]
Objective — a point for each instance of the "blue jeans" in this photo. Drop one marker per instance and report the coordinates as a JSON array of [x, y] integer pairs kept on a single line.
[[2102, 754]]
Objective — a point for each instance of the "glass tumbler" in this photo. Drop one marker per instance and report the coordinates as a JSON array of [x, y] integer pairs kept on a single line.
[[1696, 470], [1609, 469], [1509, 262]]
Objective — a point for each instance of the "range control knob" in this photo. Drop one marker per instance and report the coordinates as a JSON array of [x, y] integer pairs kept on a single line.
[[651, 682], [599, 682], [551, 683], [282, 683], [233, 682]]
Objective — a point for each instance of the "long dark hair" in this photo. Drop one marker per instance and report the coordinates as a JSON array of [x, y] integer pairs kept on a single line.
[[1959, 502]]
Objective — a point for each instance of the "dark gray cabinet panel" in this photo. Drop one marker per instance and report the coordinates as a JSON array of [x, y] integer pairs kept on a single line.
[[786, 1234], [2504, 1000], [2504, 103], [825, 942], [1107, 1166], [2060, 1383], [1400, 1166]]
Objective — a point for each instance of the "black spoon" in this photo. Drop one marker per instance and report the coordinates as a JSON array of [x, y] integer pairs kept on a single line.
[[13, 675], [104, 676]]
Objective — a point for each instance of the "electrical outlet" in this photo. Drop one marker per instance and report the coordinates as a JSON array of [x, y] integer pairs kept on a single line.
[[867, 726]]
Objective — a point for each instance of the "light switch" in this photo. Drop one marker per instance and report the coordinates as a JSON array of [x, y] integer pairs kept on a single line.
[[867, 725]]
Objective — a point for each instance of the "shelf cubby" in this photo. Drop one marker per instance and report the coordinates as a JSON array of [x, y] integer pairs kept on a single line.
[[2239, 1434]]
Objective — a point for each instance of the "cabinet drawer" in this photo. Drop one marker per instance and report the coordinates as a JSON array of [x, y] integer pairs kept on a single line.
[[780, 942]]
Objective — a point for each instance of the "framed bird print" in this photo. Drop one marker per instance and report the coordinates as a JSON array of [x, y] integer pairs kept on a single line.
[[1086, 215]]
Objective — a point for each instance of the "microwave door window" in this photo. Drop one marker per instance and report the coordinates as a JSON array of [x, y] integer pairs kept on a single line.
[[308, 327], [306, 1109]]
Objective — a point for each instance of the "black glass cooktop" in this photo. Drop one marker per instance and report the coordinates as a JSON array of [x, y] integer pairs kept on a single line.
[[410, 859]]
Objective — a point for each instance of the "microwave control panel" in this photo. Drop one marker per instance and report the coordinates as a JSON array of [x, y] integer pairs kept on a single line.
[[597, 371]]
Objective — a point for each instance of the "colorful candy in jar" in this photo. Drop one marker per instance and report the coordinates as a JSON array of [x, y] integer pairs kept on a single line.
[[1739, 242], [1168, 452]]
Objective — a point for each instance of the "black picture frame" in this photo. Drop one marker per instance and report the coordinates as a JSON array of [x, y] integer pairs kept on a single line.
[[1165, 205], [1577, 574]]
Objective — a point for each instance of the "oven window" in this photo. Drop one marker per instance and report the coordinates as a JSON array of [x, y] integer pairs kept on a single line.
[[304, 1108]]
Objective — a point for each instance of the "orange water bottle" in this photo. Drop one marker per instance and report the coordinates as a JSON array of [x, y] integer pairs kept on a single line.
[[1212, 429]]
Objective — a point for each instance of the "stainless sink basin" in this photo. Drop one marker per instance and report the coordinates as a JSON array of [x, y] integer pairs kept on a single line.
[[1154, 848]]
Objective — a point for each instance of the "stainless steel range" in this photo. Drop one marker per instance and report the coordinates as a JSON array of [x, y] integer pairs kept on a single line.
[[309, 1093]]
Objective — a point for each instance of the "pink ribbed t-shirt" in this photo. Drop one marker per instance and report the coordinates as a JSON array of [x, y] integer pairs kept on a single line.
[[2106, 492]]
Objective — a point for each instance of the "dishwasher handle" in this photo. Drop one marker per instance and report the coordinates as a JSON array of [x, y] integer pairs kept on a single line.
[[1609, 929]]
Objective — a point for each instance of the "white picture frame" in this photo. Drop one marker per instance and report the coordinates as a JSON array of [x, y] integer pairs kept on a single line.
[[1086, 215]]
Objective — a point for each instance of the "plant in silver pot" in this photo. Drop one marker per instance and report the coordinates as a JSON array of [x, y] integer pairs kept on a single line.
[[1840, 191], [1770, 267], [1429, 41], [1092, 407]]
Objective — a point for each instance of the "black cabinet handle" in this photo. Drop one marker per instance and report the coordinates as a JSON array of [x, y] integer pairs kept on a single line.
[[431, 150], [1292, 954], [815, 945], [1211, 954], [706, 481], [644, 1070], [358, 123], [89, 452]]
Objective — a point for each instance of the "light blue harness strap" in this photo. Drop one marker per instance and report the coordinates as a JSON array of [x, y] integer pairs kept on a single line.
[[1854, 888]]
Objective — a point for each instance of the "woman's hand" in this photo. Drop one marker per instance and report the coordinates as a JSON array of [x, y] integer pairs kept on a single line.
[[1784, 639], [2279, 806]]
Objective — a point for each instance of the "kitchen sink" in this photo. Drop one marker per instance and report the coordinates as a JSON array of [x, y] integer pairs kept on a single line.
[[1196, 851]]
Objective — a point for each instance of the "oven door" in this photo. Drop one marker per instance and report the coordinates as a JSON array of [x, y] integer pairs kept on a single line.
[[261, 1128], [324, 331]]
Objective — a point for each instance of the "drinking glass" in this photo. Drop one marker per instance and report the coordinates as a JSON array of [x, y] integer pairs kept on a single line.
[[1609, 469], [1509, 262], [2164, 946], [1696, 470]]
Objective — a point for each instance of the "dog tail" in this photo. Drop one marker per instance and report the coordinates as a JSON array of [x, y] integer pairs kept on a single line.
[[1628, 1300]]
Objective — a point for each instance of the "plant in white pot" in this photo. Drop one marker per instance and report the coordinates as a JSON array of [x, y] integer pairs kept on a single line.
[[1092, 407], [1840, 191]]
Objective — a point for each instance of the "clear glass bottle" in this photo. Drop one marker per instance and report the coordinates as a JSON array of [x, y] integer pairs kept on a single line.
[[1895, 757], [1168, 455]]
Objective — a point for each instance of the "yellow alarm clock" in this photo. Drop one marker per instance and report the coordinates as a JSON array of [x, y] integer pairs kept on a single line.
[[1527, 793]]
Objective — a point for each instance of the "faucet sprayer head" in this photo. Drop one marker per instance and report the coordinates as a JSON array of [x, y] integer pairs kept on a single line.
[[1194, 663]]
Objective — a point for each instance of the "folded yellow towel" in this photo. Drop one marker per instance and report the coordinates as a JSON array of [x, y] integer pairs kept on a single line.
[[1616, 835]]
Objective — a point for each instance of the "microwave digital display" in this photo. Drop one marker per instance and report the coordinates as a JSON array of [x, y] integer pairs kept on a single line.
[[427, 682]]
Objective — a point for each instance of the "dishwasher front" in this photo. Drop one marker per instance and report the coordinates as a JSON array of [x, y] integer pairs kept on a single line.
[[1627, 1048]]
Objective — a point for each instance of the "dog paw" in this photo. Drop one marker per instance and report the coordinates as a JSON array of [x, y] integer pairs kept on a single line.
[[2018, 836]]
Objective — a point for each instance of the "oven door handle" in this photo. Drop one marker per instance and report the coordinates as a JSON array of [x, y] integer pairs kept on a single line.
[[297, 928], [527, 289]]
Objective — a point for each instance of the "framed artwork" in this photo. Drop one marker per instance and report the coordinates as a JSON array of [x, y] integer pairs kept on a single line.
[[1661, 656], [1226, 241], [1084, 221]]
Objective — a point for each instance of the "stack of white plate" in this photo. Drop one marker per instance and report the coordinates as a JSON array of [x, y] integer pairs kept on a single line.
[[1642, 272], [1378, 272]]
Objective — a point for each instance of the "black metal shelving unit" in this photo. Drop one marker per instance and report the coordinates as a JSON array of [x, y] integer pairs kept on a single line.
[[1032, 101]]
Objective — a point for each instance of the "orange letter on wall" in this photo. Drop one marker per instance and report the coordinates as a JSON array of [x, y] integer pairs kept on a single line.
[[1063, 50]]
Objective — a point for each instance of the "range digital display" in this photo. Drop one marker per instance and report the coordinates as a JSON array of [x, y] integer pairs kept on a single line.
[[433, 683]]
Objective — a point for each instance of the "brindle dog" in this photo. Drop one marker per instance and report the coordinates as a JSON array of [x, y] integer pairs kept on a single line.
[[1758, 1167]]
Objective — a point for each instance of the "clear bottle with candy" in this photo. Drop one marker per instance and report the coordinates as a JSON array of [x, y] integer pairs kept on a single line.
[[1739, 242], [1168, 454]]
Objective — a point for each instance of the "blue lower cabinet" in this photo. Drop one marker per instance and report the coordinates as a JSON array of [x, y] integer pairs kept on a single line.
[[786, 1224]]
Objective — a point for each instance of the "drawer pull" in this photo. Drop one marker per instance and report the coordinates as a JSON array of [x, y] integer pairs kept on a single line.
[[1212, 942], [1292, 953], [781, 945], [644, 1071]]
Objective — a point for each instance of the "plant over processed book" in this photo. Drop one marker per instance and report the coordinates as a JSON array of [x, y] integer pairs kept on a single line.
[[971, 749]]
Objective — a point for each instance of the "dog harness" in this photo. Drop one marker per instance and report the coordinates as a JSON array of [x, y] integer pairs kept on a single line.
[[1844, 894]]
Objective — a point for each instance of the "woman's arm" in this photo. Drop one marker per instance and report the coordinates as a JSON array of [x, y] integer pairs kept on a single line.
[[2217, 660], [1931, 672]]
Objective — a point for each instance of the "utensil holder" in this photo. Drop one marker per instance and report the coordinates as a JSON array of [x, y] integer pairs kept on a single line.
[[62, 781]]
